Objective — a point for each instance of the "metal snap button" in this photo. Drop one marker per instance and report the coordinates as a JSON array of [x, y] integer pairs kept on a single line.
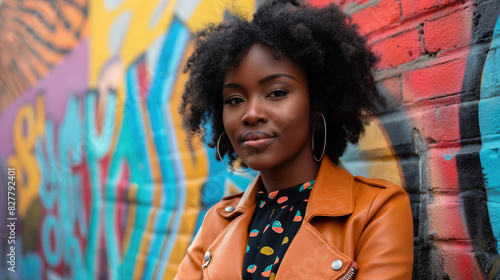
[[229, 209], [336, 265], [207, 256], [207, 259]]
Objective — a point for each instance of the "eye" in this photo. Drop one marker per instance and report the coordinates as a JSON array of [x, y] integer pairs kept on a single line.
[[278, 93], [233, 100]]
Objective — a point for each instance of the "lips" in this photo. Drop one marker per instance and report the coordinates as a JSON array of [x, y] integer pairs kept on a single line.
[[256, 139]]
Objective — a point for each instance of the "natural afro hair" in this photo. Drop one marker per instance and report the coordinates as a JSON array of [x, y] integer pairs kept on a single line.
[[323, 41]]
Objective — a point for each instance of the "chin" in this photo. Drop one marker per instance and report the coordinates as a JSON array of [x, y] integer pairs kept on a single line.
[[259, 164]]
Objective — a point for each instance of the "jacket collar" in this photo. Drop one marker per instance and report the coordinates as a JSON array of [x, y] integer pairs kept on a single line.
[[332, 194]]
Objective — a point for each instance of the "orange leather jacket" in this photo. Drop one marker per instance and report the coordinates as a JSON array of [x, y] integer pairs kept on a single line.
[[352, 226]]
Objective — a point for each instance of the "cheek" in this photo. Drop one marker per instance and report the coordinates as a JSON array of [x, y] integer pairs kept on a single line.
[[230, 126], [227, 118], [285, 118], [294, 120], [298, 114]]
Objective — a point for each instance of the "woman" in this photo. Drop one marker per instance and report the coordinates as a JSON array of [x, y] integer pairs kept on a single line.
[[284, 94]]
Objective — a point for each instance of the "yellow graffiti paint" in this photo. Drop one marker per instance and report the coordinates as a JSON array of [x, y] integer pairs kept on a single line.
[[386, 165], [137, 37], [231, 188], [40, 119], [212, 11], [28, 126]]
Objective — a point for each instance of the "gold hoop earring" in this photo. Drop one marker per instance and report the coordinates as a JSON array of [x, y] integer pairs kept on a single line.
[[220, 158], [324, 143]]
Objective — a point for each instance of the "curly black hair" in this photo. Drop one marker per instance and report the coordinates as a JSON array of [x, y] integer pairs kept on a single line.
[[323, 41]]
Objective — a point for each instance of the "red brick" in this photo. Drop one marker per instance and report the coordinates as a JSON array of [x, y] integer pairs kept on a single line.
[[440, 124], [410, 7], [439, 127], [373, 18], [459, 261], [449, 32], [399, 49], [442, 165], [434, 81], [445, 220]]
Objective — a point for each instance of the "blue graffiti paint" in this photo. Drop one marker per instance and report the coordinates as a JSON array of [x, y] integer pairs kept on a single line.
[[99, 143], [32, 266], [72, 212], [132, 149], [165, 140], [60, 189], [102, 144], [73, 253], [448, 157], [97, 147], [489, 112], [50, 226]]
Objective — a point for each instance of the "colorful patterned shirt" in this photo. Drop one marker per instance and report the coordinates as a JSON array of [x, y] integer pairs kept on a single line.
[[274, 224]]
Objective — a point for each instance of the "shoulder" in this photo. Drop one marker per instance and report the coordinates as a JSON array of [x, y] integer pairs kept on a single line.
[[225, 208], [218, 217], [378, 185], [379, 192]]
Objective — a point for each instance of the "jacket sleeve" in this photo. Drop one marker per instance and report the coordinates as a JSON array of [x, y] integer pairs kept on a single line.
[[385, 247], [190, 267]]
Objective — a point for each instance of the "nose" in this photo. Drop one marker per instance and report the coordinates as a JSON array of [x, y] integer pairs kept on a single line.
[[254, 112]]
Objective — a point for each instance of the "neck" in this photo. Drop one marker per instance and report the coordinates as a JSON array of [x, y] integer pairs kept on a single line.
[[287, 176]]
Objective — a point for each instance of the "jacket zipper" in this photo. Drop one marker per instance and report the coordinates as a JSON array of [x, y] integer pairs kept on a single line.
[[349, 275]]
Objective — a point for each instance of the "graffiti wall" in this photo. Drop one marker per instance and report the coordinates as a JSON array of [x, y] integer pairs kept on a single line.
[[98, 181]]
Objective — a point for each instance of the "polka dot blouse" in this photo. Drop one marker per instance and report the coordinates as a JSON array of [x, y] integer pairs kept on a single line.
[[275, 222]]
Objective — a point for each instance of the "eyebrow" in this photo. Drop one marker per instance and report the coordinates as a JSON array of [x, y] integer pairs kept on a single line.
[[261, 81], [275, 76]]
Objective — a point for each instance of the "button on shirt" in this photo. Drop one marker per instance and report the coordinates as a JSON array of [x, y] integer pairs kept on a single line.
[[275, 222]]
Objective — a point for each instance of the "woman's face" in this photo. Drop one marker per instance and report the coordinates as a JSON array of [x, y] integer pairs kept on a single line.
[[266, 111]]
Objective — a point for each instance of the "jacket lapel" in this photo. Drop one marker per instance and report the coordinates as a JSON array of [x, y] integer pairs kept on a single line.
[[331, 196], [310, 254], [228, 249]]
